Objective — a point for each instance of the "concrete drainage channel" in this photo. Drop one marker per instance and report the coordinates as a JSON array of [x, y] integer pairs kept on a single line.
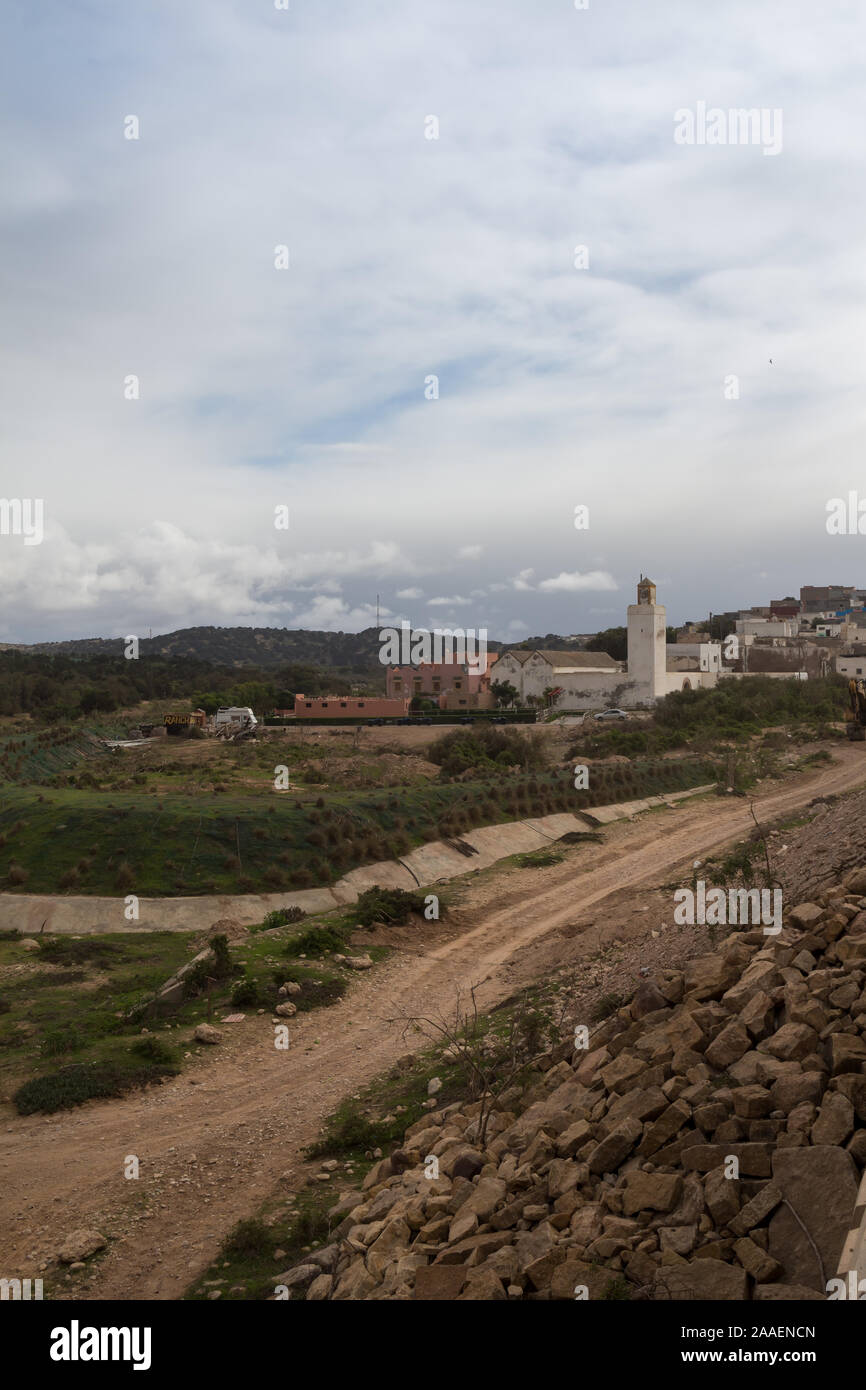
[[424, 866]]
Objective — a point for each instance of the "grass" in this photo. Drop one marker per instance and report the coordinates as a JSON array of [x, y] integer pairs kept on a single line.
[[539, 858], [114, 843], [75, 1084], [71, 1023], [247, 1265]]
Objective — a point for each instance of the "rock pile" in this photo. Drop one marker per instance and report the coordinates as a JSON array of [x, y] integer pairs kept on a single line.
[[708, 1145]]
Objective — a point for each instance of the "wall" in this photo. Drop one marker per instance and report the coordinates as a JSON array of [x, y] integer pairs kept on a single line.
[[348, 707]]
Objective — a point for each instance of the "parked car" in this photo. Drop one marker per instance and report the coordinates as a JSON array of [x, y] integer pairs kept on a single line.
[[612, 714]]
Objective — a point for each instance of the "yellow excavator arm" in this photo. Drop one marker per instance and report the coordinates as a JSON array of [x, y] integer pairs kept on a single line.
[[857, 721]]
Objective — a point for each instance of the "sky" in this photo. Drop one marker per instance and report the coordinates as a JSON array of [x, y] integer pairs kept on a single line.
[[337, 280]]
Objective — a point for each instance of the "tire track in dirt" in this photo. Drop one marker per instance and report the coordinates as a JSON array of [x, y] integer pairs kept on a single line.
[[216, 1142]]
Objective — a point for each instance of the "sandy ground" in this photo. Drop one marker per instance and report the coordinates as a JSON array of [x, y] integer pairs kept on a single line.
[[218, 1140]]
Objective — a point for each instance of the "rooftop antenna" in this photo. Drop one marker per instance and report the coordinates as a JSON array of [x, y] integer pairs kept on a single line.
[[377, 612]]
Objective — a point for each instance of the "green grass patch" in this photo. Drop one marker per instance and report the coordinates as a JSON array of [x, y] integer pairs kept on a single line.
[[538, 859], [75, 1084]]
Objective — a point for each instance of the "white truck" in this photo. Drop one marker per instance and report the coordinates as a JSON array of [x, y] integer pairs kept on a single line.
[[234, 719]]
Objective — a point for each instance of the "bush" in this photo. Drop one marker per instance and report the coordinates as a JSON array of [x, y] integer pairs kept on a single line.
[[346, 1131], [245, 991], [218, 965], [65, 950], [249, 1240], [55, 1041], [153, 1049], [391, 905], [318, 941], [83, 1081], [485, 748], [281, 916]]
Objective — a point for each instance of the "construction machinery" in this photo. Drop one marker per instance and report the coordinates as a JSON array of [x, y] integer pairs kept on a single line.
[[856, 725]]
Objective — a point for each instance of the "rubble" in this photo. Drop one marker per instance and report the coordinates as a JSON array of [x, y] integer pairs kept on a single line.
[[708, 1144]]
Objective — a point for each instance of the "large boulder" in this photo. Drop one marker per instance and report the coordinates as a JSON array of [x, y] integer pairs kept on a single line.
[[820, 1183], [80, 1245], [708, 1280]]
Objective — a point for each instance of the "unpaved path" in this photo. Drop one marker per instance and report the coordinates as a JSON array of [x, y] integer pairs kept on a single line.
[[217, 1141]]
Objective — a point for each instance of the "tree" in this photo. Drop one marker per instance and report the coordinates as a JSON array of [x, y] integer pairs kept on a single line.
[[613, 640], [503, 692]]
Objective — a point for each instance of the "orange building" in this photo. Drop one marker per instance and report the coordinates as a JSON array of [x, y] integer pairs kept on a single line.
[[452, 684], [349, 707]]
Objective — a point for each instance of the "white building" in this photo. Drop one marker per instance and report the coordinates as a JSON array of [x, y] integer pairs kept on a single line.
[[589, 680], [851, 664], [766, 627]]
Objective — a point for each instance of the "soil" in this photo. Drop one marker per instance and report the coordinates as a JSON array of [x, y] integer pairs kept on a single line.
[[215, 1142]]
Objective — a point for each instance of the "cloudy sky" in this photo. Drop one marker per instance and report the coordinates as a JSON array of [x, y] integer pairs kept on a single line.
[[608, 383]]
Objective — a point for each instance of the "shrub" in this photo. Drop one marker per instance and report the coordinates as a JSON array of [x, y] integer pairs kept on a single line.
[[317, 941], [153, 1049], [249, 1240], [281, 916], [83, 1081], [124, 878], [391, 905], [245, 991], [485, 748], [218, 965], [65, 950], [56, 1041]]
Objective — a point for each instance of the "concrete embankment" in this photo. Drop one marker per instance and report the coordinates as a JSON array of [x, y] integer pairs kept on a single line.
[[424, 866]]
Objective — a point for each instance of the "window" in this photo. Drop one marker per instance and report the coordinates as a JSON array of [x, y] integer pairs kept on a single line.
[[458, 685], [342, 704], [461, 702], [309, 704], [360, 704], [324, 704]]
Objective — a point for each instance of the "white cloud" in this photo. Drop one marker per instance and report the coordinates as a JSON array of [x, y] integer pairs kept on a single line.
[[576, 582], [305, 387], [454, 602], [410, 593]]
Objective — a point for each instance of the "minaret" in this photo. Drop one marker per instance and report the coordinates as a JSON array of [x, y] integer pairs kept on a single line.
[[647, 640]]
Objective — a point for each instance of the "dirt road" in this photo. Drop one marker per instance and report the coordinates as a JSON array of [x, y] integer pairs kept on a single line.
[[216, 1141]]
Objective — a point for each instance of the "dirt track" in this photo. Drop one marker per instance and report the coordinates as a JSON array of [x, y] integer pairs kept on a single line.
[[217, 1141]]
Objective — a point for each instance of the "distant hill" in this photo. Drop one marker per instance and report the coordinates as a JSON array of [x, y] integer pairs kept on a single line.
[[262, 647]]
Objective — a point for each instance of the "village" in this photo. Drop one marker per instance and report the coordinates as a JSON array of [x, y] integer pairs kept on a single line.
[[450, 675]]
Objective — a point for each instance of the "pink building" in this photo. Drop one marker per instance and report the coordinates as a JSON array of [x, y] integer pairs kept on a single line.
[[349, 707], [449, 683]]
